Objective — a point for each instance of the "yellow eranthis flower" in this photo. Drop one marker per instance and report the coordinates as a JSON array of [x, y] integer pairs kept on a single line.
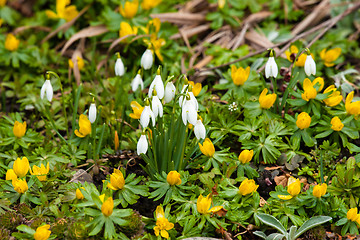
[[11, 42], [336, 124], [42, 233], [19, 129], [153, 26], [203, 205], [116, 141], [330, 56], [352, 108], [63, 11], [137, 110], [267, 101], [162, 224], [40, 172], [117, 180], [149, 4], [247, 186], [157, 43], [10, 175], [221, 3], [84, 126], [107, 207], [80, 63], [173, 178], [318, 83], [126, 29], [301, 59], [334, 98], [319, 190], [79, 194], [239, 75], [20, 185], [21, 167], [207, 148], [352, 214], [309, 91], [246, 156], [196, 88], [130, 9], [303, 120], [294, 186], [2, 3]]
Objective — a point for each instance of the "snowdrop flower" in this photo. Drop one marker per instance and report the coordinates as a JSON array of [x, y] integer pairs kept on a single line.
[[271, 69], [48, 89], [136, 82], [92, 113], [147, 59], [142, 145], [146, 115], [169, 92], [191, 95], [189, 112], [199, 130], [119, 66], [156, 106], [310, 66], [158, 85]]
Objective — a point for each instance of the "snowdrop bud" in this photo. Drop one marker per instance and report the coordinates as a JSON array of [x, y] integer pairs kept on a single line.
[[142, 145], [92, 113], [189, 113], [157, 107], [136, 82], [169, 92], [271, 69], [158, 85], [147, 59], [145, 117], [310, 66], [193, 99], [199, 130], [48, 89], [119, 66]]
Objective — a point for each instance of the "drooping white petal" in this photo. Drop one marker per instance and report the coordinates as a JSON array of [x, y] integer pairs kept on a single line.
[[199, 130], [147, 59], [310, 65], [181, 98], [189, 114], [169, 92], [271, 69], [145, 117], [157, 107], [194, 101], [48, 90], [136, 82], [158, 85], [142, 145], [92, 113], [119, 67]]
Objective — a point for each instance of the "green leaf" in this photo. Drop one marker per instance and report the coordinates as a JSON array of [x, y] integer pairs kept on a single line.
[[26, 229], [271, 221], [312, 222], [260, 234]]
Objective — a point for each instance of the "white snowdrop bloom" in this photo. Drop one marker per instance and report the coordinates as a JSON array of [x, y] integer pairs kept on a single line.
[[169, 92], [119, 67], [156, 106], [142, 145], [147, 59], [92, 113], [48, 89], [136, 82], [193, 99], [158, 85], [271, 69], [145, 117], [181, 98], [199, 130], [189, 113], [310, 66]]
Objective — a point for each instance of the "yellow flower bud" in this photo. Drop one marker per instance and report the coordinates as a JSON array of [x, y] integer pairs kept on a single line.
[[137, 110], [19, 129], [10, 175], [267, 101], [246, 156], [107, 207], [130, 9], [303, 120], [203, 205], [207, 148], [42, 233], [79, 194], [352, 108], [80, 63], [336, 124], [294, 186], [2, 3], [334, 98], [196, 88], [149, 4], [117, 180], [173, 178], [40, 172], [116, 141], [21, 167], [11, 42], [126, 29], [301, 59], [247, 186], [20, 185], [319, 190], [352, 214], [239, 75], [84, 126], [330, 56]]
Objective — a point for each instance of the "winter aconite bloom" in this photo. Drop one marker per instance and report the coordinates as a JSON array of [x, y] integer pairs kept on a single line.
[[137, 110], [48, 90], [2, 3], [330, 56], [336, 124], [19, 129], [84, 126], [21, 167], [129, 9], [352, 214], [310, 65], [246, 156], [10, 175], [309, 90], [173, 178], [107, 207], [247, 186], [319, 190], [42, 233], [117, 181], [294, 186], [352, 108], [207, 148], [20, 185], [271, 69], [196, 88], [142, 145], [300, 62], [239, 75], [149, 4], [162, 224], [334, 98], [80, 63], [40, 172], [126, 29], [267, 101], [63, 11], [303, 120], [79, 194], [203, 205], [147, 59], [11, 42]]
